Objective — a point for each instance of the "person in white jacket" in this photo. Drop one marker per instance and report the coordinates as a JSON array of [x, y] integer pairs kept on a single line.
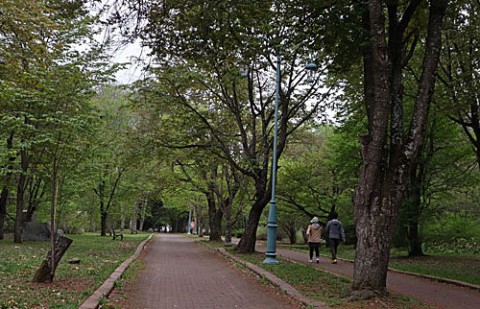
[[335, 233], [314, 233]]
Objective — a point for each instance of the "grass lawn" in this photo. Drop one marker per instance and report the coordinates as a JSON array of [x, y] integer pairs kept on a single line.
[[324, 286], [73, 283], [456, 267]]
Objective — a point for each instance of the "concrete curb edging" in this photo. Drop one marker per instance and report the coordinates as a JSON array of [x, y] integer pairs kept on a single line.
[[106, 288], [430, 277], [287, 288], [439, 279]]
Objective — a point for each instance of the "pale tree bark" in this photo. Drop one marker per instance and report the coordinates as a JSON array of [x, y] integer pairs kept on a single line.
[[133, 220], [143, 212], [122, 218], [387, 152]]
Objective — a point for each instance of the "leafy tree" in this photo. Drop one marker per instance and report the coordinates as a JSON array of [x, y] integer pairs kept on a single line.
[[388, 150], [444, 165], [460, 67], [23, 52], [44, 82], [209, 90], [109, 154], [314, 172], [317, 177]]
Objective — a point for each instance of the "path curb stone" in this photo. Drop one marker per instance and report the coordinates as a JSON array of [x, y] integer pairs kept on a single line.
[[287, 288], [106, 288], [434, 278], [439, 279]]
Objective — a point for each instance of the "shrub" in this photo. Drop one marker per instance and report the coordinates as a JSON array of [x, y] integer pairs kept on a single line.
[[457, 246], [450, 228]]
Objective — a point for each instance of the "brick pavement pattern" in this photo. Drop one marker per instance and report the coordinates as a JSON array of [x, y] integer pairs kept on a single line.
[[181, 274]]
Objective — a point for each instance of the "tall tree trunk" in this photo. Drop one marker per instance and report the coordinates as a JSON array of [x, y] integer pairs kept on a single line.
[[35, 193], [103, 220], [3, 209], [105, 207], [214, 194], [53, 212], [228, 226], [133, 221], [103, 212], [214, 217], [262, 197], [143, 212], [17, 237], [414, 240], [122, 218], [386, 166], [5, 191], [249, 237], [414, 209], [92, 215], [291, 231], [216, 226]]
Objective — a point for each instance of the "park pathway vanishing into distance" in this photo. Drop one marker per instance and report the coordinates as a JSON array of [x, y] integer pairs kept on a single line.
[[181, 274]]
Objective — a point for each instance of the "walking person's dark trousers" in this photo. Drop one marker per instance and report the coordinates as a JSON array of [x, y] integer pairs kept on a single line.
[[314, 246], [333, 244]]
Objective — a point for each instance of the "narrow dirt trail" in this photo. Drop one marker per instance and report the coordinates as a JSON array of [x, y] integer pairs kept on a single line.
[[437, 294]]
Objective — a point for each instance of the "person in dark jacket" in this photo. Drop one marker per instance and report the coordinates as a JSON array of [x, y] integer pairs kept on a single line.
[[335, 233]]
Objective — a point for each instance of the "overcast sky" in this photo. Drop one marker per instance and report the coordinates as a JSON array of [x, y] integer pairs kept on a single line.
[[133, 71], [124, 54]]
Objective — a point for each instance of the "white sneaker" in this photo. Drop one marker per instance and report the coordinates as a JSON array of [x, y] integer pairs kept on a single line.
[[310, 261], [318, 260]]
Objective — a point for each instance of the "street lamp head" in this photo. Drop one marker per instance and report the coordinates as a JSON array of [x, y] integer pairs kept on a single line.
[[311, 66]]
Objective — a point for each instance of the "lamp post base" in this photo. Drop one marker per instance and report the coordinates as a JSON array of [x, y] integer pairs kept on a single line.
[[270, 260]]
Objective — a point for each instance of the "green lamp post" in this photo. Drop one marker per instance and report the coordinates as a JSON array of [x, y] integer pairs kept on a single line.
[[271, 253]]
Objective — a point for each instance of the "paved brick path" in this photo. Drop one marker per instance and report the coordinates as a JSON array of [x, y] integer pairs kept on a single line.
[[181, 274], [437, 294]]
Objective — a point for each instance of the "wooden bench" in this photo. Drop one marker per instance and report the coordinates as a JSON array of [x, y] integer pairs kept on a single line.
[[116, 234]]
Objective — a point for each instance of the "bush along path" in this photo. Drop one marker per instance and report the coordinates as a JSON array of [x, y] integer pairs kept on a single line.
[[431, 291]]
